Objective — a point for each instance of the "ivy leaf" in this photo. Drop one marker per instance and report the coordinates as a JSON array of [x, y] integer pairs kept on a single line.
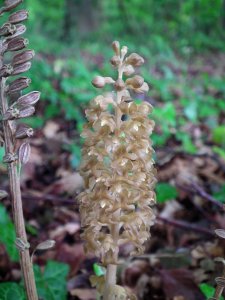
[[11, 291], [8, 235], [165, 192], [51, 284]]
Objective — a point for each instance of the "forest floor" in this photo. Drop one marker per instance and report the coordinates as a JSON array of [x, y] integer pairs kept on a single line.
[[179, 262]]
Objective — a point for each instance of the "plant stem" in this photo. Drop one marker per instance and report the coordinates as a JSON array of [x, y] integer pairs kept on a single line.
[[110, 279], [17, 208]]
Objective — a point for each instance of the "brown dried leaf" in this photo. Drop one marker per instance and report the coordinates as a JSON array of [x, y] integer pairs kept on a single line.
[[180, 282], [24, 153], [28, 99]]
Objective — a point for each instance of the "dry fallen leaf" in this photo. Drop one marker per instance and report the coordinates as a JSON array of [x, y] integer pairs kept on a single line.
[[84, 294]]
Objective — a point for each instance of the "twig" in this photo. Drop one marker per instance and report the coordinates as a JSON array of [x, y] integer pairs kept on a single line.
[[186, 226], [194, 188]]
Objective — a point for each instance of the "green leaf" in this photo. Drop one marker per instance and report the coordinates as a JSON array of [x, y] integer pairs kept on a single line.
[[190, 111], [208, 290], [11, 291], [165, 192], [98, 270], [7, 234], [220, 195], [219, 151], [187, 144], [51, 284], [218, 135]]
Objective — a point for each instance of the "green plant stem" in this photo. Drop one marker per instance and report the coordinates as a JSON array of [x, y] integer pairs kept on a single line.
[[17, 208]]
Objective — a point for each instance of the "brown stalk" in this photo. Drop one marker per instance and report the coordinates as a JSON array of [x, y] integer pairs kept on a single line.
[[17, 207], [10, 112]]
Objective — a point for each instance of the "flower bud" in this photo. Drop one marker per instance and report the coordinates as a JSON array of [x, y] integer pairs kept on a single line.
[[143, 89], [135, 60], [98, 82], [19, 84], [10, 4], [17, 44], [136, 81], [27, 112], [24, 153], [7, 29], [20, 29], [124, 51], [23, 57], [24, 131], [119, 85], [19, 16], [28, 99], [128, 70], [115, 61], [116, 47], [21, 68]]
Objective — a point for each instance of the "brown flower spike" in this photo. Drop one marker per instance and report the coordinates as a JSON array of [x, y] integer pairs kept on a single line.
[[118, 170], [14, 106]]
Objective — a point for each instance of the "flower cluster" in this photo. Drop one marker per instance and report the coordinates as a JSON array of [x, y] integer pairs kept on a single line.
[[13, 105], [117, 164]]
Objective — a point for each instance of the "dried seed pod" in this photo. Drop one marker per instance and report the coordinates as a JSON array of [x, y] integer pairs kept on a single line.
[[6, 70], [21, 68], [20, 29], [136, 81], [119, 85], [18, 85], [45, 245], [220, 233], [24, 153], [19, 16], [116, 47], [10, 4], [17, 44], [28, 99], [27, 112], [7, 29], [23, 57], [24, 131], [135, 60], [115, 61]]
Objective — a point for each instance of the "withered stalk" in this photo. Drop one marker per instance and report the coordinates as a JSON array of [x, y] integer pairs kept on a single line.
[[16, 200], [14, 105]]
